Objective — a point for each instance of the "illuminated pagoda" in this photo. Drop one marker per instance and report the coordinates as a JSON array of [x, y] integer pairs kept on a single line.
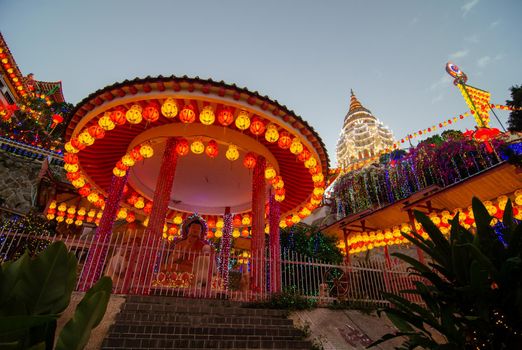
[[362, 136]]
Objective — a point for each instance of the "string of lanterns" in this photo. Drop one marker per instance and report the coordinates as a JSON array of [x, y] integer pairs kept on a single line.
[[364, 241], [61, 212]]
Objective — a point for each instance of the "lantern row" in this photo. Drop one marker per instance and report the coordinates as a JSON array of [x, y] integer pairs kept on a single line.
[[9, 67], [361, 242]]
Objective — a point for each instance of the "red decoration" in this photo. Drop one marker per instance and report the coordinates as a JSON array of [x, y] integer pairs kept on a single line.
[[85, 190], [236, 221], [118, 116], [135, 154], [304, 155], [225, 116], [121, 166], [70, 158], [280, 192], [250, 160], [187, 114], [212, 149], [257, 127], [76, 144], [57, 119], [211, 223], [182, 147], [73, 176], [485, 135], [99, 203], [285, 140], [131, 217], [314, 170], [151, 112], [132, 199], [96, 131]]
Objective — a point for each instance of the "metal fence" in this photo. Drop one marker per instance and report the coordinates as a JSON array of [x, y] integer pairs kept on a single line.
[[185, 272]]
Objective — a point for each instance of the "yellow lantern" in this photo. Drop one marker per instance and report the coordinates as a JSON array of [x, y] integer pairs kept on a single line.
[[232, 153], [80, 182], [118, 172], [78, 222], [310, 163], [93, 197], [318, 191], [146, 151], [106, 122], [122, 214], [295, 218], [146, 222], [69, 221], [218, 234], [133, 115], [279, 184], [243, 120], [270, 173], [62, 207], [236, 233], [279, 197], [197, 147], [271, 133], [71, 168], [169, 108], [220, 223], [178, 219], [71, 210], [81, 211], [140, 203], [50, 216], [127, 160], [52, 205], [282, 224], [70, 148], [85, 138], [267, 229], [318, 177], [296, 146], [59, 218], [246, 220], [207, 116]]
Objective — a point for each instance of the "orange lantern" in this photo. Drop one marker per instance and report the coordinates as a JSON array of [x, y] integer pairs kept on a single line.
[[96, 131], [314, 170], [304, 155], [118, 115], [245, 233], [212, 149], [182, 147], [75, 143], [131, 217], [148, 208], [284, 140], [250, 160], [169, 108], [151, 112], [236, 221], [135, 154], [211, 223], [85, 190], [73, 176], [225, 116], [206, 116], [257, 127], [271, 134], [187, 114], [121, 166], [132, 199], [70, 158], [173, 230], [280, 192]]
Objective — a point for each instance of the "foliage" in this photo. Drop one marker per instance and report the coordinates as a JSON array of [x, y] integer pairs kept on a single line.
[[289, 299], [451, 134], [33, 294], [472, 289], [515, 117], [35, 228]]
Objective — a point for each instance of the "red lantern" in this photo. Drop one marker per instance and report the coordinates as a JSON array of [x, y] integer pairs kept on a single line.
[[250, 160], [132, 199], [304, 155], [135, 154], [148, 208], [130, 217], [225, 116], [73, 176], [212, 149], [70, 158], [187, 114], [182, 147], [289, 221], [236, 222], [314, 170], [99, 203], [280, 192], [211, 223], [118, 116], [121, 166], [85, 190], [257, 127], [96, 131], [76, 144], [285, 140], [275, 180], [151, 112], [172, 230], [57, 119]]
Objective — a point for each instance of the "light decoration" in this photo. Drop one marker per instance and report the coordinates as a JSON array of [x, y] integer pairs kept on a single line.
[[232, 153], [310, 163], [178, 219], [207, 116], [106, 123], [197, 147], [70, 158], [135, 154], [80, 182], [187, 114], [70, 148], [118, 115], [225, 116], [296, 146], [93, 197], [140, 203], [304, 155], [169, 108], [182, 147], [271, 133], [220, 223], [212, 149], [85, 138], [270, 172], [76, 144], [285, 140], [257, 127], [218, 233], [146, 151], [122, 214], [245, 232], [127, 160], [133, 115], [118, 172], [224, 251], [236, 233], [151, 112], [242, 120], [96, 131], [250, 160], [71, 168], [246, 220]]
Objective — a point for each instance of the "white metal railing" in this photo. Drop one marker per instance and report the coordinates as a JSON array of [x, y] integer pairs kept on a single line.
[[184, 272]]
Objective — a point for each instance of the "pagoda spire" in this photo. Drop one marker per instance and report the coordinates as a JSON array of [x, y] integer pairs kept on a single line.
[[354, 103]]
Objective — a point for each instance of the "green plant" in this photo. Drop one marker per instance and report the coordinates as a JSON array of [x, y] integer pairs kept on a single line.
[[33, 294], [472, 289], [287, 300]]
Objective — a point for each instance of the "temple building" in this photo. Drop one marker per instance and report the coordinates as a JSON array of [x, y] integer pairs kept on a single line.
[[362, 136]]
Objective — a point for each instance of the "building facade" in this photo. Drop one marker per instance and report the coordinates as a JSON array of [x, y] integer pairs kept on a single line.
[[362, 136]]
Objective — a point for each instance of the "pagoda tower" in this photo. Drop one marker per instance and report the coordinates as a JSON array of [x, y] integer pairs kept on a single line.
[[362, 136]]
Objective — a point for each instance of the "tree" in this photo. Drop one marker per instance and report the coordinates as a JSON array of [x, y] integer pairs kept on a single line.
[[515, 117]]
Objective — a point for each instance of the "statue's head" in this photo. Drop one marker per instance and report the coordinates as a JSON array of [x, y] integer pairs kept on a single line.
[[194, 228]]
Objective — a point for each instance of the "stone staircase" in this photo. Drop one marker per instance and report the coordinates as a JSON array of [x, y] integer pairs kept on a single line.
[[153, 322]]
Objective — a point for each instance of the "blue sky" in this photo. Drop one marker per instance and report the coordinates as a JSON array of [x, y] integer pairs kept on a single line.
[[305, 54]]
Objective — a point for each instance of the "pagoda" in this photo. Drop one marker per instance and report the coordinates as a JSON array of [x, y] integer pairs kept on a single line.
[[363, 136]]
